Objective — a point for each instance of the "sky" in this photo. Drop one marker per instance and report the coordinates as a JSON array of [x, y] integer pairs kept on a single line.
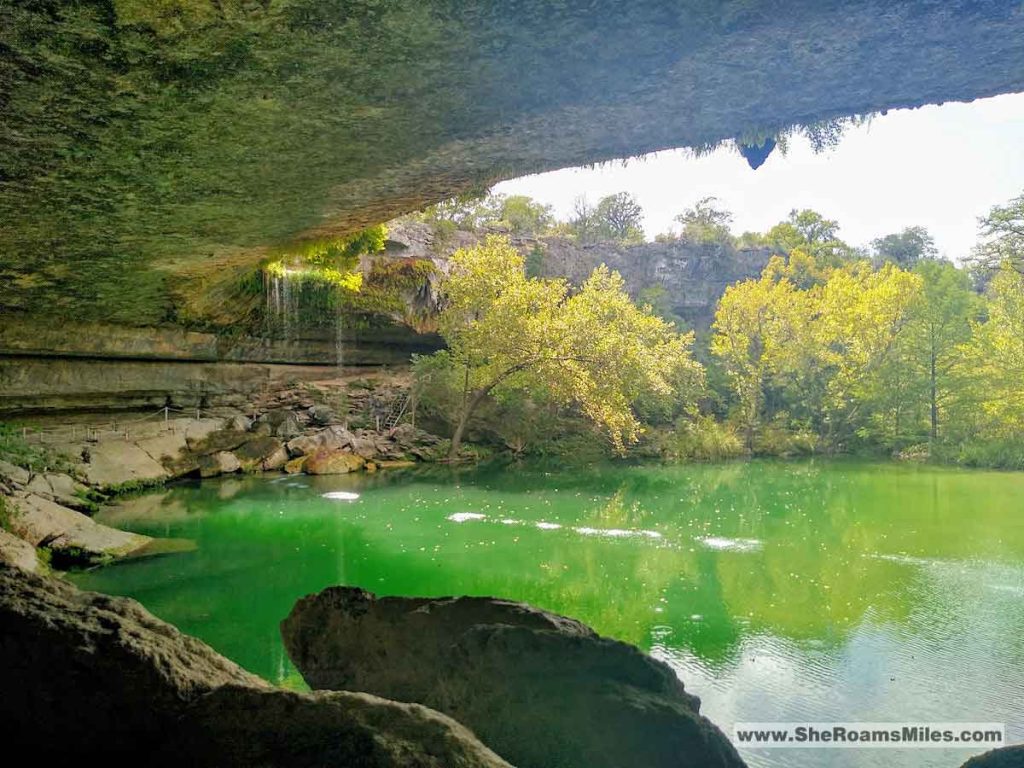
[[940, 167]]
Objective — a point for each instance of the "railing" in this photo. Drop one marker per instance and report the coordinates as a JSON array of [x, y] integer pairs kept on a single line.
[[397, 410], [113, 429]]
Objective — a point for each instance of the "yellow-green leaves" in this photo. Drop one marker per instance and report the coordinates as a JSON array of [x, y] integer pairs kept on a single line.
[[821, 350], [592, 348]]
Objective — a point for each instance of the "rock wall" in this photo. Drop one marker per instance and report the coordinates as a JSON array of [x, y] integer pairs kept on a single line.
[[203, 135], [693, 276], [61, 367]]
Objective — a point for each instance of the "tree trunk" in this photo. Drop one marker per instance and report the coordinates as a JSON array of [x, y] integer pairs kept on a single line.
[[460, 428], [934, 402]]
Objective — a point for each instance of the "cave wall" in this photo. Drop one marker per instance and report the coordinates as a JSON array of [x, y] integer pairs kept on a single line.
[[156, 152]]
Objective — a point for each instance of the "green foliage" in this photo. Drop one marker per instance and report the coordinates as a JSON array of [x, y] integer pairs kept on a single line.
[[615, 218], [1002, 233], [5, 514], [16, 449], [516, 214], [706, 224], [905, 249], [508, 335], [812, 233], [702, 439]]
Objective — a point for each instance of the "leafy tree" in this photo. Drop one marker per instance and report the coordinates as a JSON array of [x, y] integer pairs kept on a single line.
[[592, 348], [756, 331], [814, 234], [941, 323], [1002, 232], [616, 217], [863, 315], [522, 215], [705, 223], [992, 396], [905, 249]]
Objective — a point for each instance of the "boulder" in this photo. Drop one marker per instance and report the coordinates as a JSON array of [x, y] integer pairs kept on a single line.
[[239, 727], [221, 440], [69, 534], [365, 445], [198, 431], [327, 462], [262, 453], [295, 466], [13, 473], [17, 552], [538, 688], [116, 462], [332, 438], [321, 415], [276, 460], [171, 449], [1006, 757], [103, 677], [220, 463], [282, 423], [62, 489], [239, 423]]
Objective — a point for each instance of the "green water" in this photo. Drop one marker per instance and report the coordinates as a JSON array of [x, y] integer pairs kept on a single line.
[[779, 591]]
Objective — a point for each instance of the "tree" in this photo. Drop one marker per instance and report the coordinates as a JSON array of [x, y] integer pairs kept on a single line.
[[941, 322], [705, 223], [756, 332], [992, 397], [1002, 232], [814, 234], [616, 217], [863, 316], [905, 249], [522, 215], [592, 348]]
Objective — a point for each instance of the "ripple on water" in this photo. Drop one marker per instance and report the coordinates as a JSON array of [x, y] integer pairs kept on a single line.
[[462, 517], [724, 544], [341, 496]]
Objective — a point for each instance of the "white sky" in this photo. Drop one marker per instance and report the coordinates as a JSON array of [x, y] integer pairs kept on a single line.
[[936, 167]]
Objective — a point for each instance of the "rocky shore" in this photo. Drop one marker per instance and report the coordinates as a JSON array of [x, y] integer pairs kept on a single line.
[[45, 515]]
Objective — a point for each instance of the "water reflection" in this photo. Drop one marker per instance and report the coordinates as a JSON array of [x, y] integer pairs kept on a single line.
[[779, 591]]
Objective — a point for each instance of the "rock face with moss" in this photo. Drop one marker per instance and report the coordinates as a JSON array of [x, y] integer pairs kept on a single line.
[[154, 154], [103, 677], [538, 688]]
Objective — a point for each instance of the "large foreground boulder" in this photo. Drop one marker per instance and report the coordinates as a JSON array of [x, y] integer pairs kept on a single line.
[[1007, 757], [99, 678], [540, 689]]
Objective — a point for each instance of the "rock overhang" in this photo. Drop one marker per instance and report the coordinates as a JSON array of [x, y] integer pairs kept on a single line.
[[153, 151]]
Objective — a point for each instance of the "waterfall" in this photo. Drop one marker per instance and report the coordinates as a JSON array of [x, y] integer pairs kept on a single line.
[[339, 338], [281, 310]]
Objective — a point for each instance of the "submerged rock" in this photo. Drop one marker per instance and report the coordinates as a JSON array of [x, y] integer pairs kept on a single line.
[[101, 676], [538, 688], [326, 462]]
